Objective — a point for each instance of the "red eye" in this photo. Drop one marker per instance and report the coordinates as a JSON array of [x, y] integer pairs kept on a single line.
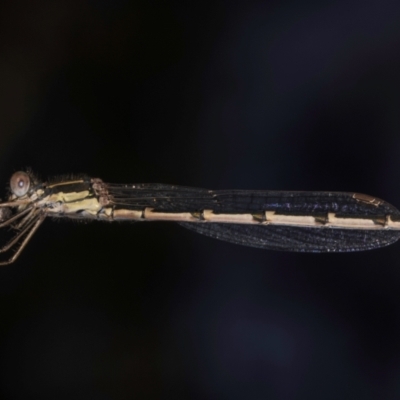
[[20, 183]]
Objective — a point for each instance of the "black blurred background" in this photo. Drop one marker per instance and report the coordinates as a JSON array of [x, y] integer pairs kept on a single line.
[[288, 95]]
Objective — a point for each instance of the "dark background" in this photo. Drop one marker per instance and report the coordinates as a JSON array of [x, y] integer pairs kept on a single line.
[[288, 95]]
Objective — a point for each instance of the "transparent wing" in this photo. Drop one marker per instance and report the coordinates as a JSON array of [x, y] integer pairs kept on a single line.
[[286, 238]]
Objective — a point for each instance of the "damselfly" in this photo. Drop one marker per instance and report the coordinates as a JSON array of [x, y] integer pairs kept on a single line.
[[277, 220]]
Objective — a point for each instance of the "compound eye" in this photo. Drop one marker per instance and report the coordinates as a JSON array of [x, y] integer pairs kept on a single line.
[[20, 183]]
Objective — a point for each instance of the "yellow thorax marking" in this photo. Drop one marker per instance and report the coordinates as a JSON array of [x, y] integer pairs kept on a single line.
[[89, 205], [65, 183], [68, 197]]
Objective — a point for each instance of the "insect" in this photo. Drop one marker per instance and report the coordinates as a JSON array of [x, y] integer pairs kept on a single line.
[[277, 220]]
